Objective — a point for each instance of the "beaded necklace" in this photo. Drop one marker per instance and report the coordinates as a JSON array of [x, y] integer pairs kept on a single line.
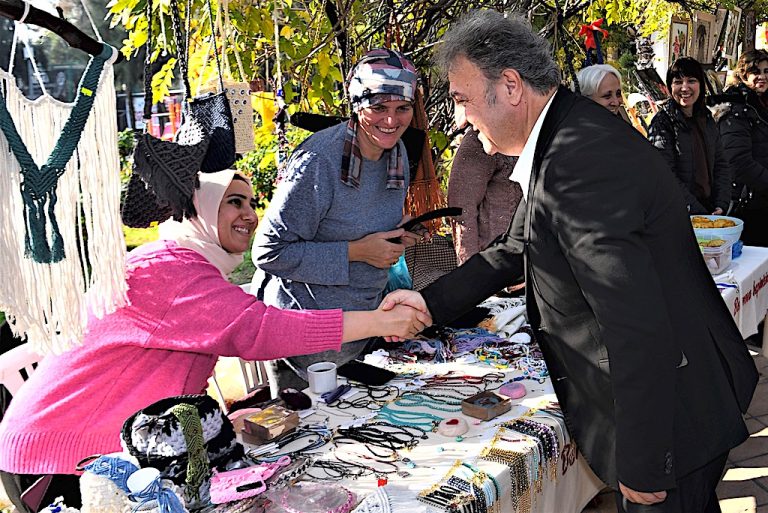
[[438, 402], [409, 418]]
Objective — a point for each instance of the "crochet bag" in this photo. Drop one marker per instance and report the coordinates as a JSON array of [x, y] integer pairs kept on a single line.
[[243, 483], [184, 451], [211, 111], [238, 93], [429, 260], [167, 169]]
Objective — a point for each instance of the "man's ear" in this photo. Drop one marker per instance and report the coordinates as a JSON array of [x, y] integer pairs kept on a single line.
[[513, 83]]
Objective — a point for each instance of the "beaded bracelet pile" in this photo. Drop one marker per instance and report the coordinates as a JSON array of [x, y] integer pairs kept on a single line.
[[502, 450], [547, 442], [464, 488]]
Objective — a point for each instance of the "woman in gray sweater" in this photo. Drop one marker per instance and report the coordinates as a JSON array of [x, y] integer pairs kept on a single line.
[[323, 242]]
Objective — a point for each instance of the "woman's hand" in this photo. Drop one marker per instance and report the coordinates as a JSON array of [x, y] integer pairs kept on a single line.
[[404, 322], [416, 234], [376, 250], [396, 323], [718, 212]]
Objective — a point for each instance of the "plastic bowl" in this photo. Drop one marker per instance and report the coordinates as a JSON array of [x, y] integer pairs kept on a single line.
[[718, 259], [729, 234]]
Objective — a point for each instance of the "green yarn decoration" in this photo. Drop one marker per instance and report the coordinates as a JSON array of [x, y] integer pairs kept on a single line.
[[198, 465], [38, 186]]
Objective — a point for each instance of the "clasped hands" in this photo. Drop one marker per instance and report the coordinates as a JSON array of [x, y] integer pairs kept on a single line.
[[409, 305]]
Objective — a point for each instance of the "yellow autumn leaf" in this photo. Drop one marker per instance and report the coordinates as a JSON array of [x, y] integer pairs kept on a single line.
[[286, 32], [323, 64]]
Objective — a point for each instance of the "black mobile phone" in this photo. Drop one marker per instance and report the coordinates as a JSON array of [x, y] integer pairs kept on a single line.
[[365, 373]]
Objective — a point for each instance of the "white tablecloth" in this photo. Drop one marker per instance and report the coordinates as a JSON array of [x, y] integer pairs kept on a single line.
[[746, 299], [573, 488]]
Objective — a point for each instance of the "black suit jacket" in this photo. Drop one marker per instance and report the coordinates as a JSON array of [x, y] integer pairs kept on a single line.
[[645, 358]]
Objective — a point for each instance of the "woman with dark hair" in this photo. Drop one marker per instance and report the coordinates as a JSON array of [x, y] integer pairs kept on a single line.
[[686, 134], [743, 124]]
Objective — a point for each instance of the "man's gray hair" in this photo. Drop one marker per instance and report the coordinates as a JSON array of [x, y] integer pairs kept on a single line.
[[494, 43]]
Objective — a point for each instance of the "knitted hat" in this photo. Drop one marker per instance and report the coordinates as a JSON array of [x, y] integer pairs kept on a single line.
[[380, 76]]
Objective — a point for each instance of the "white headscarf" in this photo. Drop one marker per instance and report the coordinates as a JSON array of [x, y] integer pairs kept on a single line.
[[201, 233]]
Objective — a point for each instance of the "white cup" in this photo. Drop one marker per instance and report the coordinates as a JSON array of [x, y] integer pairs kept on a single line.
[[321, 377]]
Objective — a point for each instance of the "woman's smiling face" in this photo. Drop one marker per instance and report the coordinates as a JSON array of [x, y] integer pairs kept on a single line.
[[237, 217], [380, 126]]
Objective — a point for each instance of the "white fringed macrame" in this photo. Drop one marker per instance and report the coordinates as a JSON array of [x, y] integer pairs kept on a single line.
[[48, 303]]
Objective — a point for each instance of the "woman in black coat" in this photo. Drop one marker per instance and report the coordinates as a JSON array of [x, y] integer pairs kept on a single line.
[[687, 136], [743, 124]]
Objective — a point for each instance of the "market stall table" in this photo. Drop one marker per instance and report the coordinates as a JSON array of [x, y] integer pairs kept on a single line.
[[573, 486], [741, 287]]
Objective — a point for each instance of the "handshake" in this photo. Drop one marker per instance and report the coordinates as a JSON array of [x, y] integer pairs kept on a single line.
[[404, 314]]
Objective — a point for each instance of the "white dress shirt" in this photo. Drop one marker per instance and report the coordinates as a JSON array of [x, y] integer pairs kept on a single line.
[[524, 166]]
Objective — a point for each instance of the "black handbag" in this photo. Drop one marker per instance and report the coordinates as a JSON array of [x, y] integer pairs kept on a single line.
[[164, 172], [211, 111]]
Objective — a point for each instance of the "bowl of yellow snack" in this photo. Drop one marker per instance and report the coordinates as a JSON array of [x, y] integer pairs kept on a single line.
[[717, 228]]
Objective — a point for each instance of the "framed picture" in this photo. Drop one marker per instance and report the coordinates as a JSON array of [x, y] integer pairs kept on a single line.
[[720, 16], [701, 37], [714, 85], [652, 84], [731, 35], [678, 39]]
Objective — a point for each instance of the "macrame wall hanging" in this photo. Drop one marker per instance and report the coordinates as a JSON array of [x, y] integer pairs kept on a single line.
[[61, 242]]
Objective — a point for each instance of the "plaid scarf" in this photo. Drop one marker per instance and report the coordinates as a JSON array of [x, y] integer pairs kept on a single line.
[[352, 161]]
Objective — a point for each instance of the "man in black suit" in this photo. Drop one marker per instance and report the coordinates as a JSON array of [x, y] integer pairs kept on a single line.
[[645, 358]]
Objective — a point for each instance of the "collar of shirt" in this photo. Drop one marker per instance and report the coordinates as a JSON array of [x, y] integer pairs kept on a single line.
[[524, 166]]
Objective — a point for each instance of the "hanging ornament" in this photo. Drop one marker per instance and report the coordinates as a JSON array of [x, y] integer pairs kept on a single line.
[[593, 36]]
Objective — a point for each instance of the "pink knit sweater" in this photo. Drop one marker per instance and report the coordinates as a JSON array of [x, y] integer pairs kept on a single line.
[[182, 316]]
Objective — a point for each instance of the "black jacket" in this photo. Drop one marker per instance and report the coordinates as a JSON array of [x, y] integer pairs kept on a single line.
[[646, 360], [671, 134], [743, 125]]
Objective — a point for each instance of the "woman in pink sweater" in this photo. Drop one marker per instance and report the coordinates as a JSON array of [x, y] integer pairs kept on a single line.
[[183, 314]]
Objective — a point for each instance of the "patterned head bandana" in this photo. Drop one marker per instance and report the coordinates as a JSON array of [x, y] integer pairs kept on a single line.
[[380, 76]]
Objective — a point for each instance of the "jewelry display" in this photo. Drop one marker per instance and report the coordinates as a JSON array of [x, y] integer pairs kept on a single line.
[[438, 402], [312, 438], [453, 427], [426, 421]]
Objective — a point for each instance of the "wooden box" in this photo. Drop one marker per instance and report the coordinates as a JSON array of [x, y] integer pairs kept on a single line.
[[486, 405], [270, 423]]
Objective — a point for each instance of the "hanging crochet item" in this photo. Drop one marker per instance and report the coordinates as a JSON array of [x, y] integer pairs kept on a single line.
[[210, 110], [593, 35], [38, 186], [61, 242], [238, 93], [167, 169]]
